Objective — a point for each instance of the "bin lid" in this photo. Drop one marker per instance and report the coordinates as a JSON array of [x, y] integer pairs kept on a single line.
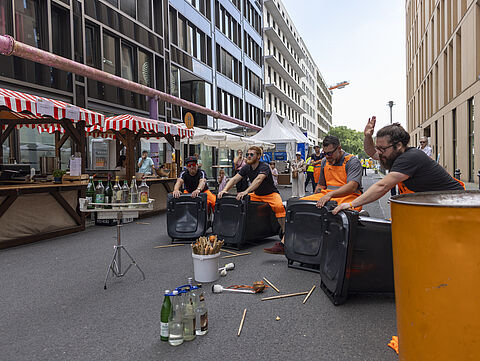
[[454, 199]]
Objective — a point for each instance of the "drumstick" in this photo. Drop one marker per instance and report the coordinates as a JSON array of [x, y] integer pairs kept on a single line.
[[238, 254], [271, 285], [226, 251], [170, 245], [241, 322], [284, 296], [309, 293]]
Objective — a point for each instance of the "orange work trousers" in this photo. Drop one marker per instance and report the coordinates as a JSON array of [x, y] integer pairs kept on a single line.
[[274, 200], [211, 199], [345, 199]]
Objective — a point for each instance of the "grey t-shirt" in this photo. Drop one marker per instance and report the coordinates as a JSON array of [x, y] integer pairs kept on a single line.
[[353, 169]]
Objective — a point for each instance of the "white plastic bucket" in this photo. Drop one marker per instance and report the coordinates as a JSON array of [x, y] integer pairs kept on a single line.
[[205, 268]]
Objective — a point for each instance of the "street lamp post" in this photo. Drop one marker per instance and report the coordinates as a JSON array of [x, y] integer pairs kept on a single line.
[[391, 104]]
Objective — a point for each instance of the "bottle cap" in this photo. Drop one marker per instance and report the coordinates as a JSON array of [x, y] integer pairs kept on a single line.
[[167, 292], [175, 293]]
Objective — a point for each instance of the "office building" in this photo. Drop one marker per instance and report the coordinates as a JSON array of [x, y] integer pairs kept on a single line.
[[443, 69], [294, 87]]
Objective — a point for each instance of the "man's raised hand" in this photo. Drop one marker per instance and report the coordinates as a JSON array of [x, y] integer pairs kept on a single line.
[[370, 127]]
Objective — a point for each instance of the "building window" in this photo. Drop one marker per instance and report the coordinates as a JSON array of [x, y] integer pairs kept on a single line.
[[128, 63], [454, 138], [30, 27], [145, 11], [228, 65], [92, 45], [144, 68], [471, 138], [109, 54], [129, 7], [173, 27], [227, 24], [253, 82], [6, 17]]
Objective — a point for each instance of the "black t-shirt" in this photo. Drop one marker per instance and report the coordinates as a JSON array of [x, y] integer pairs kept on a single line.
[[267, 186], [191, 182], [425, 175]]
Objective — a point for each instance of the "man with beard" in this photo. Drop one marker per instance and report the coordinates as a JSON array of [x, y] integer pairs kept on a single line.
[[194, 181], [340, 176], [262, 187], [410, 168]]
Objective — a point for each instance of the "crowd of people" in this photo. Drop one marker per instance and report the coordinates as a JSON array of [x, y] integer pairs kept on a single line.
[[335, 174]]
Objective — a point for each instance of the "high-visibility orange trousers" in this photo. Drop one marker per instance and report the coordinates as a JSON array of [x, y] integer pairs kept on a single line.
[[316, 174], [274, 200], [211, 200], [345, 199]]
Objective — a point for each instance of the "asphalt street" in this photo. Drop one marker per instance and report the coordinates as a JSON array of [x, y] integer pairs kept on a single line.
[[53, 305]]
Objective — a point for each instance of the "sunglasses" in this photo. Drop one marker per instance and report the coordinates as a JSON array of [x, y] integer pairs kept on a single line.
[[422, 142], [191, 165], [329, 154], [383, 149], [250, 154]]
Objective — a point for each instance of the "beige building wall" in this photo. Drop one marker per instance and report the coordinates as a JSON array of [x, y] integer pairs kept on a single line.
[[443, 81]]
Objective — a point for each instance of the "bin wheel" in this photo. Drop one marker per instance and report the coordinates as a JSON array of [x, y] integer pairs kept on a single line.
[[290, 262]]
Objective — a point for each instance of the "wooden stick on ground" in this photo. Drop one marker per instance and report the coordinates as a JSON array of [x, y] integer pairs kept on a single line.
[[241, 322], [238, 254], [284, 296], [170, 245], [309, 293], [271, 285], [227, 251]]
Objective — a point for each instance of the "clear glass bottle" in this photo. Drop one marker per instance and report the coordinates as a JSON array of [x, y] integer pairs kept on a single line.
[[175, 321], [99, 194], [125, 192], [134, 191], [90, 195], [164, 315], [117, 191], [188, 317], [144, 191], [201, 311]]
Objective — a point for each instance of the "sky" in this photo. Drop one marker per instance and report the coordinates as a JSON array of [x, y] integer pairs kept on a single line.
[[362, 42]]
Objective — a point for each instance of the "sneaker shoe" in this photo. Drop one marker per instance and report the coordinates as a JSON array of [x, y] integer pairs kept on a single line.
[[278, 248]]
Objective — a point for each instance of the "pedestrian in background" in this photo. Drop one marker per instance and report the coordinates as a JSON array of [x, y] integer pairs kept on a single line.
[[298, 176], [238, 163], [424, 147], [222, 180], [274, 173], [310, 173]]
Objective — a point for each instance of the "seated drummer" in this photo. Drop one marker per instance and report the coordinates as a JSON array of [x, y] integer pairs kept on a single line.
[[262, 188], [340, 175], [194, 181]]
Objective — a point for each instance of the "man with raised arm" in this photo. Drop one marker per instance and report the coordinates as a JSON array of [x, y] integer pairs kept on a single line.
[[410, 168]]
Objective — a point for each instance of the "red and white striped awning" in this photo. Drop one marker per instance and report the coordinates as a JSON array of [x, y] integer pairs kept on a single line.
[[136, 123], [41, 107]]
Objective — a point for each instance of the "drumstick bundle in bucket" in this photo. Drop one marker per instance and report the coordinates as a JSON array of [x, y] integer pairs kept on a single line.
[[205, 254], [207, 246]]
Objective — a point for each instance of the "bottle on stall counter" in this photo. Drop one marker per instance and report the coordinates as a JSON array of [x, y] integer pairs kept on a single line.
[[175, 321], [90, 193], [188, 317], [109, 193], [144, 191], [125, 192], [117, 191], [164, 315], [134, 191], [201, 311], [99, 194]]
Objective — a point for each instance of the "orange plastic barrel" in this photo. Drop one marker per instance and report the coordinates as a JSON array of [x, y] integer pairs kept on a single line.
[[436, 256]]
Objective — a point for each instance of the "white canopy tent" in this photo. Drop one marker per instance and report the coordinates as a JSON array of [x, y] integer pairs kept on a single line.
[[275, 132], [301, 138]]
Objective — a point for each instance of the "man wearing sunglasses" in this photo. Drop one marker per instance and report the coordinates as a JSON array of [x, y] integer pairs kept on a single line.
[[194, 181], [340, 175], [262, 187], [424, 147], [409, 167]]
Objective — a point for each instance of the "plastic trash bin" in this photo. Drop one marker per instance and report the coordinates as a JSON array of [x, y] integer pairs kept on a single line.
[[237, 222], [436, 254], [356, 257], [186, 216]]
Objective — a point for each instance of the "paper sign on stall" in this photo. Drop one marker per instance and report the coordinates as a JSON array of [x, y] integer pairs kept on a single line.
[[177, 145], [44, 107], [72, 112]]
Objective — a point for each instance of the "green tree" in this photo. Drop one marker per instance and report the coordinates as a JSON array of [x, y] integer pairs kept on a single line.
[[350, 139]]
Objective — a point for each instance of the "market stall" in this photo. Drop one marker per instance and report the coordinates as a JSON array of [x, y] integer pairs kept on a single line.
[[31, 210], [128, 130]]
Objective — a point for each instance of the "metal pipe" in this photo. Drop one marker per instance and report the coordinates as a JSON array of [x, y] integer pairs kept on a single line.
[[9, 46]]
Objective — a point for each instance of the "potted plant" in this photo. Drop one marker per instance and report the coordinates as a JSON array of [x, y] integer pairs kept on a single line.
[[57, 175]]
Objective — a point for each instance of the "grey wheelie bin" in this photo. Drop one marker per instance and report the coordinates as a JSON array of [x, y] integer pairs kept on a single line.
[[186, 217]]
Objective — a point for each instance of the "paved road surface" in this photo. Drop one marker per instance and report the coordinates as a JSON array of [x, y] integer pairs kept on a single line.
[[53, 305]]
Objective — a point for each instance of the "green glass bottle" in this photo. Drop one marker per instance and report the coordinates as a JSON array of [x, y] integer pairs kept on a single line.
[[165, 313], [109, 193], [90, 195]]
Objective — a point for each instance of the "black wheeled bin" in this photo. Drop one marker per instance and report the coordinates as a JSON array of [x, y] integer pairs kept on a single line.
[[356, 257], [186, 216], [305, 226], [237, 222]]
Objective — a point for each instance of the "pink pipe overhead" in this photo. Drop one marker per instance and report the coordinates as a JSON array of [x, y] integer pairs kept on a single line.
[[9, 46]]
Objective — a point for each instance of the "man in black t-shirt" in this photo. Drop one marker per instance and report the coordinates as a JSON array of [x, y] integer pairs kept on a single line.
[[262, 187], [409, 167], [194, 181]]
